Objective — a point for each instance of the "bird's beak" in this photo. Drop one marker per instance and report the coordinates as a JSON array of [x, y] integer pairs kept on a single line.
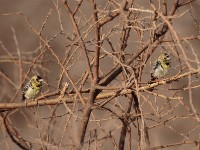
[[41, 80], [44, 82]]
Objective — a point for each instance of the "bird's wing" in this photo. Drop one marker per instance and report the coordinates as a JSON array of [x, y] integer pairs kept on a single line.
[[155, 66], [25, 89]]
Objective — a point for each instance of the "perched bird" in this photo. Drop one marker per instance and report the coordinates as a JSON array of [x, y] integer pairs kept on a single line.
[[32, 88], [160, 67]]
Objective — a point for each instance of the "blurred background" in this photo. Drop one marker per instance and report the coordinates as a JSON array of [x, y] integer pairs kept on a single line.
[[23, 54]]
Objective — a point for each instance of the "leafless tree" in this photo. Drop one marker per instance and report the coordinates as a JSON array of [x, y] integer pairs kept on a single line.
[[96, 58]]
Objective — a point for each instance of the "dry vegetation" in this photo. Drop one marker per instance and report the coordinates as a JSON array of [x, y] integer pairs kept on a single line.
[[96, 56]]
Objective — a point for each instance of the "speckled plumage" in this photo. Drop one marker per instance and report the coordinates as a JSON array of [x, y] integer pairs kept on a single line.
[[161, 67], [32, 88]]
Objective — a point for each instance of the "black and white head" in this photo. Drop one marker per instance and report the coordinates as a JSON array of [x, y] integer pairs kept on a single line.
[[164, 57], [37, 79]]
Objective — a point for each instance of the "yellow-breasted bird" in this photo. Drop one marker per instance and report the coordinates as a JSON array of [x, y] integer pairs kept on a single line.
[[160, 67], [32, 88]]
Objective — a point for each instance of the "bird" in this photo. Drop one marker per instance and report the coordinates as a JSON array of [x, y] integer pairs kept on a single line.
[[32, 89], [160, 67]]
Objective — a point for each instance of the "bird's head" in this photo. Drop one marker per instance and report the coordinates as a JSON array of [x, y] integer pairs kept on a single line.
[[164, 58], [36, 79]]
